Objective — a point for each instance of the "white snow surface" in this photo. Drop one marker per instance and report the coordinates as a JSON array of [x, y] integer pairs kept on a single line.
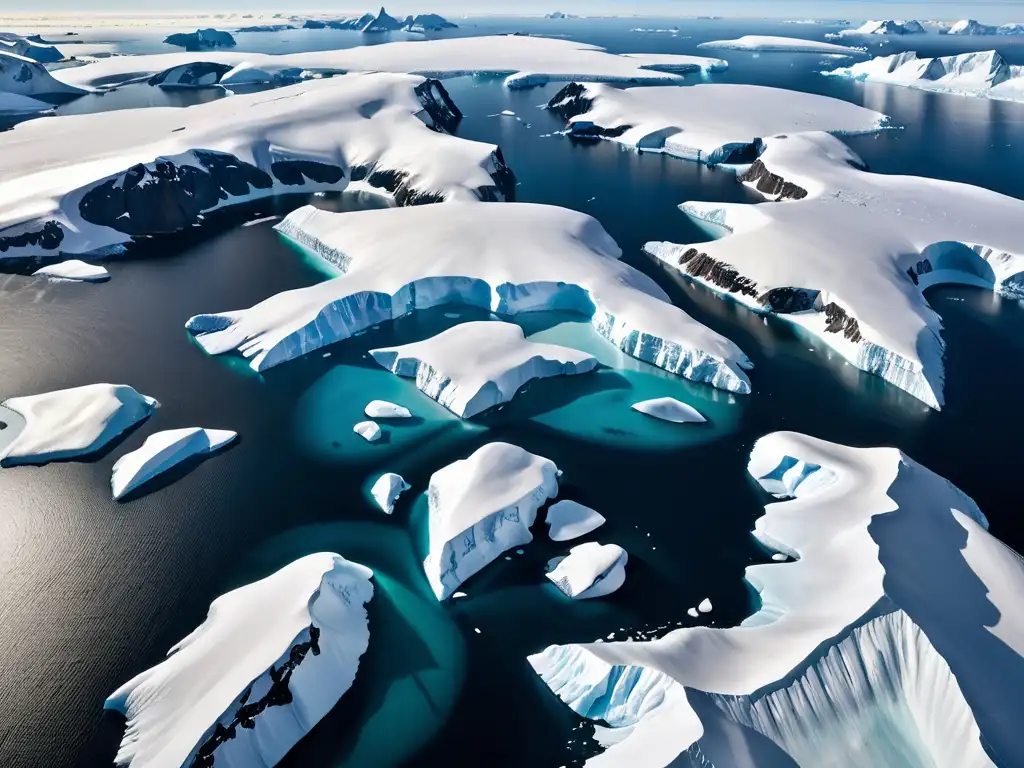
[[161, 452], [30, 49], [885, 27], [590, 570], [522, 60], [475, 366], [772, 43], [709, 121], [508, 258], [569, 520], [866, 245], [368, 430], [381, 409], [73, 422], [23, 76], [75, 270], [173, 708], [387, 489], [984, 74], [896, 637], [670, 409], [483, 506], [47, 168]]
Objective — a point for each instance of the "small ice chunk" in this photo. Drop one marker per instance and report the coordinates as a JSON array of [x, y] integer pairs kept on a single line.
[[459, 595], [779, 557], [705, 606], [477, 630], [591, 570], [368, 430], [670, 409], [692, 612], [381, 409], [508, 113], [569, 520], [387, 489], [74, 270]]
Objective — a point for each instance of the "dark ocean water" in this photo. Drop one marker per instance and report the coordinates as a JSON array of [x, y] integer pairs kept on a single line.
[[93, 592]]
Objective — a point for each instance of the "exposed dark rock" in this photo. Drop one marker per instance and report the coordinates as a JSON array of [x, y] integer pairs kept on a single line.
[[23, 75], [294, 173], [840, 322], [439, 105], [504, 181], [748, 153], [700, 265], [785, 301], [770, 184], [922, 267], [233, 176], [49, 237], [191, 74], [571, 101]]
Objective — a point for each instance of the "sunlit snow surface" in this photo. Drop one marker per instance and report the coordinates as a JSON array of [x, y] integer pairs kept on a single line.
[[894, 638], [161, 452], [590, 570], [74, 270], [775, 43]]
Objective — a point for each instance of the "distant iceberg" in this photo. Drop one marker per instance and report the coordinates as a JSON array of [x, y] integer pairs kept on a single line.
[[161, 452], [569, 520], [972, 27], [481, 507], [475, 366], [591, 570], [883, 27], [428, 22], [201, 40], [270, 660], [74, 270], [772, 44]]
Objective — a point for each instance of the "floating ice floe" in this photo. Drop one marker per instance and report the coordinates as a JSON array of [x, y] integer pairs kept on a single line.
[[270, 660], [202, 39], [25, 84], [900, 619], [368, 430], [381, 409], [29, 47], [74, 270], [846, 255], [972, 27], [705, 606], [790, 44], [590, 570], [507, 258], [92, 182], [481, 507], [709, 123], [569, 520], [985, 74], [523, 61], [163, 451], [73, 422], [475, 366], [692, 613], [387, 489], [882, 27], [670, 409]]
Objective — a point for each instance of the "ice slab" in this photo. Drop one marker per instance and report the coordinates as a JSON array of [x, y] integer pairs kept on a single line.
[[29, 79], [591, 570], [381, 409], [161, 452], [670, 409], [368, 430], [74, 270], [569, 520], [387, 489], [772, 43]]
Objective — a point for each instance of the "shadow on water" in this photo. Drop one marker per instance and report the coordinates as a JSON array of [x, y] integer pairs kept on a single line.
[[176, 473]]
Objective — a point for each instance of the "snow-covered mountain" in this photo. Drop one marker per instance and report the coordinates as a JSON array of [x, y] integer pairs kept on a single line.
[[29, 47]]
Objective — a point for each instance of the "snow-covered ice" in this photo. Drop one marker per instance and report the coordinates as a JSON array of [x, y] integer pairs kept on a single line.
[[270, 660], [705, 606], [900, 619], [507, 258], [883, 27], [670, 409], [381, 409], [590, 570], [475, 366], [847, 255], [73, 422], [29, 48], [772, 43], [23, 77], [709, 123], [368, 430], [569, 520], [692, 613], [74, 270], [161, 452], [202, 39], [387, 489], [428, 22], [973, 27], [481, 507]]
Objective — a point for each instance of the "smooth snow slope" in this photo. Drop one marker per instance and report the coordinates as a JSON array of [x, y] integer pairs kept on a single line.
[[22, 76], [270, 660], [476, 366], [524, 61], [90, 182], [771, 43], [894, 638], [848, 256], [710, 122], [985, 74], [507, 258], [161, 452]]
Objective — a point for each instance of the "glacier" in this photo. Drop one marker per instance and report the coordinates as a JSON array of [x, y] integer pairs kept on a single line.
[[162, 451], [569, 520], [480, 507], [708, 123], [73, 270], [475, 366], [590, 570], [894, 638], [387, 489], [270, 660], [769, 43], [846, 255], [72, 422], [670, 409], [507, 258]]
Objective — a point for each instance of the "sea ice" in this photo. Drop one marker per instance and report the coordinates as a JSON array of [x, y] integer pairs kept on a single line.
[[569, 520], [161, 452], [381, 409], [475, 366], [481, 507], [791, 44], [670, 409], [591, 570], [368, 430], [270, 660], [74, 270], [387, 489]]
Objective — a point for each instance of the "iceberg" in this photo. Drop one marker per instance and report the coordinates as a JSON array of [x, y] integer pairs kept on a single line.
[[569, 520], [382, 22], [772, 44], [508, 259], [74, 270], [140, 172], [368, 430], [202, 40], [380, 409], [705, 606], [161, 452], [476, 366], [72, 422], [708, 123], [895, 638], [387, 489], [590, 570], [270, 660], [483, 506], [984, 74], [884, 27], [670, 409], [26, 78], [428, 22], [971, 27], [846, 255], [29, 48]]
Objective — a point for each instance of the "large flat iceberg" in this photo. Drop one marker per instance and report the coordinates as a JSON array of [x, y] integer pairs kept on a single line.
[[270, 660], [72, 422], [92, 182], [507, 258], [895, 637], [774, 43], [475, 366], [709, 123], [847, 255], [481, 507], [161, 452]]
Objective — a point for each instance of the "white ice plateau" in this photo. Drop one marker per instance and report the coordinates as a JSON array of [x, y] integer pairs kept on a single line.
[[161, 452], [590, 570], [670, 409], [569, 520], [387, 489]]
